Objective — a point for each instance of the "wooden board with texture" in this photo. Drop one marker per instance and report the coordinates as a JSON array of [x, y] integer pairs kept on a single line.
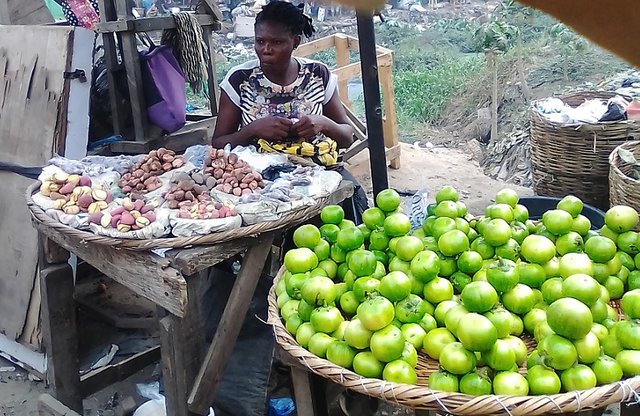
[[30, 107]]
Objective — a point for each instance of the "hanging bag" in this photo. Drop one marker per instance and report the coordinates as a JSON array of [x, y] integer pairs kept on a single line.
[[164, 89]]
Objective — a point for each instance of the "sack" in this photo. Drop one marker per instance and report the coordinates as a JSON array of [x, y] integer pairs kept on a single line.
[[164, 89]]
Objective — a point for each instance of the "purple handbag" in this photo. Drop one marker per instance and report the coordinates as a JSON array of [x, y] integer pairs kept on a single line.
[[164, 89]]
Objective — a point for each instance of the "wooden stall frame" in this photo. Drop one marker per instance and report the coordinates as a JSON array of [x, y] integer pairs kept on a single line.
[[118, 22], [346, 70]]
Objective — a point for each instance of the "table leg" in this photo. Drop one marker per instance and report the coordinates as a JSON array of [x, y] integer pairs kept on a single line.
[[211, 372], [302, 392], [633, 410], [60, 334], [183, 346]]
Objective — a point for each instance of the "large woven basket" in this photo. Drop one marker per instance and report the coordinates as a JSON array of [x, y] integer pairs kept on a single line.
[[47, 224], [573, 159], [420, 397], [624, 189]]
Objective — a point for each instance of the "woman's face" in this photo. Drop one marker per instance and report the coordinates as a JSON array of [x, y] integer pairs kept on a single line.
[[274, 44]]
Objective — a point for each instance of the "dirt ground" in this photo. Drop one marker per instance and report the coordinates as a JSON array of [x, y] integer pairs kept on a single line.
[[429, 169]]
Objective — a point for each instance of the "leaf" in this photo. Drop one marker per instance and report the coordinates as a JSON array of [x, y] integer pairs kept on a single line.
[[627, 156]]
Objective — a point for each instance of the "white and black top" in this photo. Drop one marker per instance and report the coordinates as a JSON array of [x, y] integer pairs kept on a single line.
[[251, 91]]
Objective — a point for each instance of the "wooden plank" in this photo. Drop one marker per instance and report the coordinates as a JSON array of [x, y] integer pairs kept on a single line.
[[48, 406], [390, 123], [134, 75], [212, 369], [30, 101], [343, 59], [302, 392], [315, 46], [212, 79], [113, 373], [60, 334], [5, 18], [144, 273], [183, 348], [192, 260], [347, 72], [53, 253], [108, 12], [25, 357], [175, 141], [150, 24], [28, 12], [212, 8]]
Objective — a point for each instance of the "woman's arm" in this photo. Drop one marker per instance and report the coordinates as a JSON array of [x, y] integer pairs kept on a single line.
[[333, 123], [338, 127], [228, 121]]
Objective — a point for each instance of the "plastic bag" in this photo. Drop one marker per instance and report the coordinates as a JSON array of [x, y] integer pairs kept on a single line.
[[96, 165], [181, 227], [615, 112], [196, 155], [77, 221], [258, 161]]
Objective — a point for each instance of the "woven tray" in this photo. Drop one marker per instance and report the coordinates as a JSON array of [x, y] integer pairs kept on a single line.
[[573, 159], [623, 188], [41, 219], [420, 397]]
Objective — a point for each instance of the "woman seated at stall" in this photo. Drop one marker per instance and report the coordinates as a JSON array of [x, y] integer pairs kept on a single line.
[[279, 101]]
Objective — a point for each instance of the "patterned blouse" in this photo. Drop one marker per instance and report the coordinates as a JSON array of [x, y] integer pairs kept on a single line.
[[257, 97]]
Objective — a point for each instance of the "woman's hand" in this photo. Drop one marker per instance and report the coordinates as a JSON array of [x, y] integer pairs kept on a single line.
[[308, 127], [272, 128]]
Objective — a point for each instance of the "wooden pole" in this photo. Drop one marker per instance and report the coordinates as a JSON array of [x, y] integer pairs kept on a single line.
[[371, 89]]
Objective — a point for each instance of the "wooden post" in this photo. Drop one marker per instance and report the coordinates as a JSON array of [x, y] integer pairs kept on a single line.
[[60, 334], [108, 13], [183, 346], [493, 67], [212, 81], [210, 374], [134, 74], [342, 60], [389, 121]]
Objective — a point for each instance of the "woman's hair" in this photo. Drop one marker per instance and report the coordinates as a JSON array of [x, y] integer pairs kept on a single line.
[[290, 16]]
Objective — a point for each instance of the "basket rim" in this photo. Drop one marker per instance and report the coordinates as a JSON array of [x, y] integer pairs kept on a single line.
[[424, 398], [614, 162], [533, 110], [44, 222]]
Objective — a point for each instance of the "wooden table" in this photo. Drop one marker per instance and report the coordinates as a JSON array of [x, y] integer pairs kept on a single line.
[[176, 283]]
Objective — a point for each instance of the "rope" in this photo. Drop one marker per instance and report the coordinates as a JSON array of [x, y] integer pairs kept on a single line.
[[442, 405], [188, 45], [554, 402], [502, 404], [579, 400]]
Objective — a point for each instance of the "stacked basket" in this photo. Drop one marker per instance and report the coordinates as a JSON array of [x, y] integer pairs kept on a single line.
[[573, 158], [623, 187]]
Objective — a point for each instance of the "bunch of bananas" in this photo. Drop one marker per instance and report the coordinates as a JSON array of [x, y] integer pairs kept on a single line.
[[323, 151]]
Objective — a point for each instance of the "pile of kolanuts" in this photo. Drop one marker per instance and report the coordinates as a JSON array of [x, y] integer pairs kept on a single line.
[[156, 181]]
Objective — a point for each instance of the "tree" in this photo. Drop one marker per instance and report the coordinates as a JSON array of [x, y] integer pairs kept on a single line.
[[494, 38], [569, 44]]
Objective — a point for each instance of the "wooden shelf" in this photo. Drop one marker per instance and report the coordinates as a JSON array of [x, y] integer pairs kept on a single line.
[[147, 24]]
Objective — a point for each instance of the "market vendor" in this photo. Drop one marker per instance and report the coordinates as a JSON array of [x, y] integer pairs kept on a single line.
[[282, 103]]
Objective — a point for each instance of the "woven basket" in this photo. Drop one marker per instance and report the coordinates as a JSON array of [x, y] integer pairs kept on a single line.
[[47, 224], [573, 159], [623, 188], [420, 397]]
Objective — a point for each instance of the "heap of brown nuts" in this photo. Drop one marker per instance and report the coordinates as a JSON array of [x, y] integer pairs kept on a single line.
[[74, 194], [205, 210], [233, 176], [143, 176], [126, 217], [189, 187]]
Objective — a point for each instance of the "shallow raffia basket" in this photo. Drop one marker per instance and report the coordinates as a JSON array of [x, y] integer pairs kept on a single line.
[[50, 226], [624, 189], [420, 397], [574, 158]]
